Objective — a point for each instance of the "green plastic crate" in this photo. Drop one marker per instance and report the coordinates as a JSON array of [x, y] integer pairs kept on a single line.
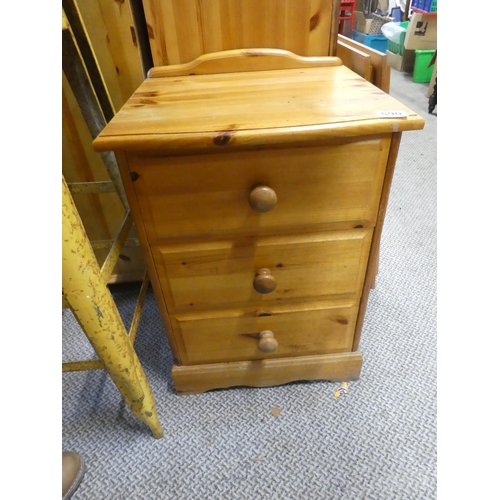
[[421, 73], [398, 47]]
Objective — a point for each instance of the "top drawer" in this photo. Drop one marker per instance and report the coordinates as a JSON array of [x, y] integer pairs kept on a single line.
[[331, 187]]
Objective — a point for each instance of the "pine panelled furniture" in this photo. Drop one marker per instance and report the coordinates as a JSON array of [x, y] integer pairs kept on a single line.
[[179, 31], [258, 181], [97, 79]]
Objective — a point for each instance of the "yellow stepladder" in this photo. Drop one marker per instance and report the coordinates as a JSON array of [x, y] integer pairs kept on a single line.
[[85, 291]]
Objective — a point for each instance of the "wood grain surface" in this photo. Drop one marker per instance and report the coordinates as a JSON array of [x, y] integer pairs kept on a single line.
[[329, 187], [221, 273], [227, 110], [300, 329], [181, 30], [267, 372]]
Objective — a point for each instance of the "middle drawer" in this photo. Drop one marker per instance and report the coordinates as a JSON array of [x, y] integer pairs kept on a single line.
[[228, 272]]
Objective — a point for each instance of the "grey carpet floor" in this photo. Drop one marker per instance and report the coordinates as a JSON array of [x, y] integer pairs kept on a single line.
[[376, 442]]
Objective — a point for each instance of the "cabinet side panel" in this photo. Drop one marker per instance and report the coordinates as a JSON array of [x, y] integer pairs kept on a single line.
[[375, 247], [146, 251]]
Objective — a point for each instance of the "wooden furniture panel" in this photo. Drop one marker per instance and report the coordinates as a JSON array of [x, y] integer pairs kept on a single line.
[[181, 30], [349, 49], [112, 33], [164, 109], [356, 60], [218, 273], [248, 60], [102, 213], [81, 163], [210, 194], [266, 372], [101, 69], [298, 329], [260, 198]]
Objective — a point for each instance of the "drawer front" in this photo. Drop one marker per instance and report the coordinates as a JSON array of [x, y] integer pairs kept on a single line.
[[210, 194], [234, 335], [225, 273]]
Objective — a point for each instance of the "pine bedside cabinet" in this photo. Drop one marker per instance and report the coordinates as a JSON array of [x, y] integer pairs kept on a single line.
[[258, 181]]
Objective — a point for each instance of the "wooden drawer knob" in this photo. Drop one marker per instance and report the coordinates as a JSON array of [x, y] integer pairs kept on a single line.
[[263, 199], [267, 342], [264, 281]]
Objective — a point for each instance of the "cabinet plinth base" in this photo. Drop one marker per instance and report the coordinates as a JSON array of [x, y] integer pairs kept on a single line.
[[265, 373]]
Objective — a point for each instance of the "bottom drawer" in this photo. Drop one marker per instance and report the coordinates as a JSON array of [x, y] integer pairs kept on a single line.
[[236, 335]]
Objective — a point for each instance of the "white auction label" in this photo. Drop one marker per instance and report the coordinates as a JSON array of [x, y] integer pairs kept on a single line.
[[392, 114]]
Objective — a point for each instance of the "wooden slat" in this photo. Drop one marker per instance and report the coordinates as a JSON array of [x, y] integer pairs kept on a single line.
[[80, 35], [134, 277], [234, 61], [141, 34], [65, 22], [356, 60], [407, 10], [112, 36], [114, 253], [334, 28], [378, 60], [79, 80]]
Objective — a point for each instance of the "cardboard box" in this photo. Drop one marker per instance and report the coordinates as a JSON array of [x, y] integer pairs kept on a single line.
[[421, 32], [361, 23], [404, 63]]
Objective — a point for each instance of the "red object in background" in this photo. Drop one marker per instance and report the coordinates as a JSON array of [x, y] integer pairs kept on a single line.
[[420, 11], [347, 8]]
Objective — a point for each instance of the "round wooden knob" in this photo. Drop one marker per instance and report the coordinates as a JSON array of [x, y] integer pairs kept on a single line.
[[263, 199], [264, 281], [267, 342]]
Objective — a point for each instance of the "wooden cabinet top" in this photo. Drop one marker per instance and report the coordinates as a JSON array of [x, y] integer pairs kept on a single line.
[[185, 111]]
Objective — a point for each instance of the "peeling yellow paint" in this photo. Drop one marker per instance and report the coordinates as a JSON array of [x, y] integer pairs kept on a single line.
[[82, 281]]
